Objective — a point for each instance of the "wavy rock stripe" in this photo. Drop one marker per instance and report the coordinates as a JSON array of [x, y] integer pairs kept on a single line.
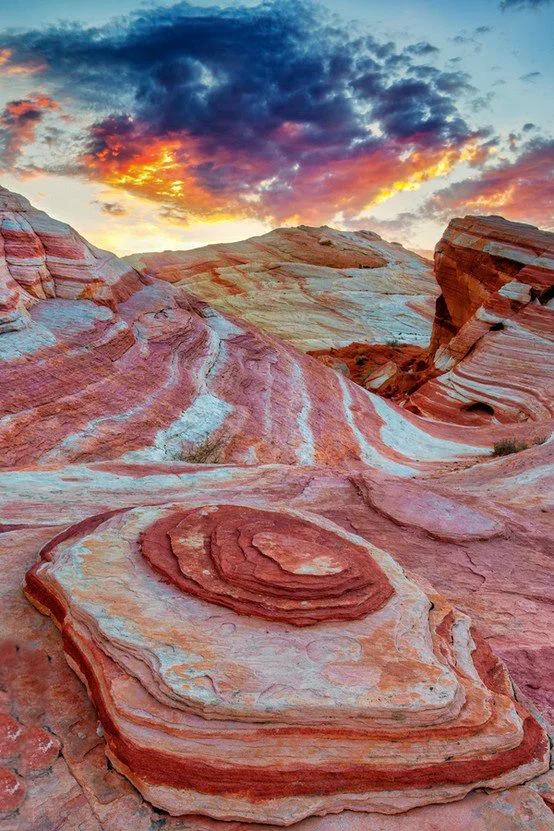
[[209, 710], [156, 375], [328, 288], [492, 337], [42, 258]]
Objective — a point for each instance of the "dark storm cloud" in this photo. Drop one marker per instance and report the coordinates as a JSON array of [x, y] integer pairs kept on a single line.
[[236, 73], [243, 95]]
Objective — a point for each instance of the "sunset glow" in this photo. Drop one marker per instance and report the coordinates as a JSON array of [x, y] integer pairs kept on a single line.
[[248, 117]]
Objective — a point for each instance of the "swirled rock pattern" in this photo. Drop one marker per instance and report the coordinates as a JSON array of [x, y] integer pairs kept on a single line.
[[278, 567], [202, 494], [317, 288], [145, 371], [206, 711]]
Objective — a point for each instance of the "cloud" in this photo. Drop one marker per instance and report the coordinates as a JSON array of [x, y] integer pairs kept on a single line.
[[10, 67], [530, 76], [112, 208], [521, 190], [523, 4], [19, 122], [422, 49], [275, 111]]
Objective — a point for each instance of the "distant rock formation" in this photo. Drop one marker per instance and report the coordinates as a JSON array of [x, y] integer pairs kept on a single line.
[[317, 288], [493, 320]]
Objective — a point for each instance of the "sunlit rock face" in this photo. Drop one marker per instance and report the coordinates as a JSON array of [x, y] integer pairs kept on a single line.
[[317, 288], [265, 665], [492, 336]]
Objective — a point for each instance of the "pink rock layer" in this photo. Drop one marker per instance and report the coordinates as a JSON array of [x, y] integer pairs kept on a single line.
[[328, 287], [211, 711]]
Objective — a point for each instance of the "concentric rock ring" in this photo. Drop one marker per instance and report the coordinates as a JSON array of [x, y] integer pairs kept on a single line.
[[225, 684], [265, 563]]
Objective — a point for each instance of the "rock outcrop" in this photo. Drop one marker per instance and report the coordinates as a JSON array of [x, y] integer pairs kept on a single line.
[[236, 542], [42, 258], [139, 368], [477, 551], [298, 672], [493, 331], [316, 288]]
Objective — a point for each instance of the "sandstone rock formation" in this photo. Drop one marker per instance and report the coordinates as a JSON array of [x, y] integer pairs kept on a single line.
[[158, 375], [316, 288], [299, 671], [236, 542], [41, 257], [493, 332]]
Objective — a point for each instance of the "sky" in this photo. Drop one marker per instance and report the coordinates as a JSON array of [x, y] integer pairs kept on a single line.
[[162, 125]]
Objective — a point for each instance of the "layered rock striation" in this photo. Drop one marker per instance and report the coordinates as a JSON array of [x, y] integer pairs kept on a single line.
[[493, 330], [230, 532], [316, 288], [300, 670]]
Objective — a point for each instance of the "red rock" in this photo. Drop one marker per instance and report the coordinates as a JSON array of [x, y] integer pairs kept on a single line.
[[399, 705], [11, 736], [40, 749], [12, 791], [275, 566], [492, 332], [109, 404], [363, 362]]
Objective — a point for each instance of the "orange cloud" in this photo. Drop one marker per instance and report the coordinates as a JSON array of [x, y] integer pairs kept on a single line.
[[521, 190], [19, 122], [176, 170], [9, 67], [161, 169]]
